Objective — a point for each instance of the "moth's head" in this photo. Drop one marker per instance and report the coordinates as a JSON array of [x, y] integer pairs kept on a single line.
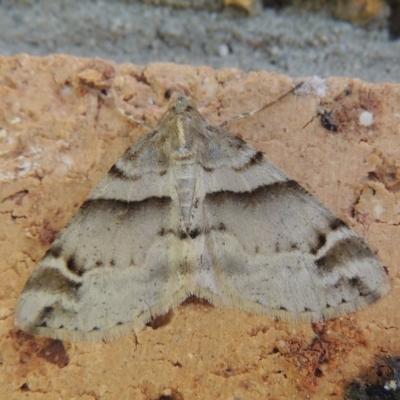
[[181, 105]]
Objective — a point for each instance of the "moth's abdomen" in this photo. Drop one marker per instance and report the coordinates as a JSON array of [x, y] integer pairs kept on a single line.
[[185, 177]]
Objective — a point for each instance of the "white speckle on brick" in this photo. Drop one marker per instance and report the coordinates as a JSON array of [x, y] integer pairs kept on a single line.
[[378, 210], [15, 120], [313, 86], [366, 118]]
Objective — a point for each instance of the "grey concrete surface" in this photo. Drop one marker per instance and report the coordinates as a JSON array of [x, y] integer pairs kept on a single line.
[[288, 41]]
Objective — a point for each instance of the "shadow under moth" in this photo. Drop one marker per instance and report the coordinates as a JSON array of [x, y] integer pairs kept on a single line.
[[190, 209]]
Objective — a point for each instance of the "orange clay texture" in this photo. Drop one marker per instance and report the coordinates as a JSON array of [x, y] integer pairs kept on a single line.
[[57, 140]]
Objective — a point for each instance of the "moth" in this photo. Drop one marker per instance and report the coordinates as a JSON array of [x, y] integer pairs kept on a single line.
[[190, 209]]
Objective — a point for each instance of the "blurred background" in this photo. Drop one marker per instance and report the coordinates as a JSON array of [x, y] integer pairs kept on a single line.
[[353, 38]]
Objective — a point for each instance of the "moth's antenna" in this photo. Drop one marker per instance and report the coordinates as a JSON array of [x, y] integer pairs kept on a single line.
[[111, 102], [251, 113]]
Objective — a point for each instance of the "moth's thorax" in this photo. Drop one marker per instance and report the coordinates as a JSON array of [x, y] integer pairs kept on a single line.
[[181, 125]]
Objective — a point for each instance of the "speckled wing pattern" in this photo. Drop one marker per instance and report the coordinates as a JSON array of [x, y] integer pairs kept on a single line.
[[190, 209]]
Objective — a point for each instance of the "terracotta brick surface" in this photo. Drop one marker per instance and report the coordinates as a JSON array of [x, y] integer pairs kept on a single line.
[[57, 140]]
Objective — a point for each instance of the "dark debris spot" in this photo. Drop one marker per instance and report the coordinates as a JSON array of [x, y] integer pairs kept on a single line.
[[161, 320], [177, 364], [318, 373], [327, 122], [24, 387], [55, 353], [275, 350], [168, 93]]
